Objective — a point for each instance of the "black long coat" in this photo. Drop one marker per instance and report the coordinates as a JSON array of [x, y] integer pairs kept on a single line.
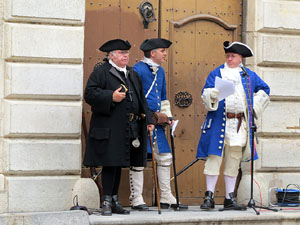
[[108, 141]]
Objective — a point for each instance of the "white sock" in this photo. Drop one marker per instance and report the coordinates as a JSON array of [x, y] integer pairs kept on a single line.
[[229, 185], [211, 181]]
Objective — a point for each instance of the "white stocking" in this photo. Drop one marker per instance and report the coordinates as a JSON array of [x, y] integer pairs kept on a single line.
[[229, 185], [211, 181]]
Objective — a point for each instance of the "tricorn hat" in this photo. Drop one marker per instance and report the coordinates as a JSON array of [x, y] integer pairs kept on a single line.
[[238, 47], [116, 44], [154, 43]]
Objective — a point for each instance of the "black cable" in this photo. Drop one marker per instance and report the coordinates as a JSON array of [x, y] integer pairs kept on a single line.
[[289, 197]]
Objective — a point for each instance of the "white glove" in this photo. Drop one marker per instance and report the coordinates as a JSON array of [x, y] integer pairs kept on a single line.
[[214, 93], [209, 97]]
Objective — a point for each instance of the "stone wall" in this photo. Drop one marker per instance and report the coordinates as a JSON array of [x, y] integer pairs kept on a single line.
[[272, 29], [41, 78]]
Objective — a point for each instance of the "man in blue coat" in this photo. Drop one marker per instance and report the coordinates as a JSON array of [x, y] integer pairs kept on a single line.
[[225, 131], [154, 83]]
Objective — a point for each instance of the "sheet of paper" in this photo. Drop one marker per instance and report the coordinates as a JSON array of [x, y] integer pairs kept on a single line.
[[225, 87], [174, 126]]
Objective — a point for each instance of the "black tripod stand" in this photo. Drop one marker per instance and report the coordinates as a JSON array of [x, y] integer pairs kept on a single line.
[[251, 203]]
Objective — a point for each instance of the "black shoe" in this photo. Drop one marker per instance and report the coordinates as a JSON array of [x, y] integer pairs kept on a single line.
[[180, 207], [174, 206], [232, 203], [209, 202], [106, 206], [116, 206], [142, 207]]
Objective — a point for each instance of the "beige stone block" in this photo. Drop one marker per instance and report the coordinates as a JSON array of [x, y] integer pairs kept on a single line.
[[249, 12], [43, 81], [2, 155], [284, 82], [285, 52], [74, 217], [54, 11], [42, 119], [43, 156], [43, 43], [87, 193], [278, 154], [3, 202], [274, 15], [279, 117], [2, 183], [40, 193]]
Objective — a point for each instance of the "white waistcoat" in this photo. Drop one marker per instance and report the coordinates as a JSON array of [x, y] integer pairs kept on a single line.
[[235, 103]]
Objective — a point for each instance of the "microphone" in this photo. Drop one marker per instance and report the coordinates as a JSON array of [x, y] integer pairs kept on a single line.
[[245, 73]]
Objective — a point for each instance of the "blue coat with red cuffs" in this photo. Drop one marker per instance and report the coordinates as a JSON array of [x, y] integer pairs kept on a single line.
[[213, 129]]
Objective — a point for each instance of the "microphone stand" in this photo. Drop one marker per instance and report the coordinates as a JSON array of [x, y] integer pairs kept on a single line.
[[251, 203]]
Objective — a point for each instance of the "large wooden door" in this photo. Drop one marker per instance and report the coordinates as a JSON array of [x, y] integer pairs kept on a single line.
[[197, 29]]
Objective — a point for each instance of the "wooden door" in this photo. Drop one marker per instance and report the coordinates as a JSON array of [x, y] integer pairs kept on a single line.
[[197, 29]]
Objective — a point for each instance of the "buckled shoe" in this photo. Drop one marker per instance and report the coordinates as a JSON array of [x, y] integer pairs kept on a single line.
[[209, 202], [142, 207], [106, 206], [232, 203], [116, 206]]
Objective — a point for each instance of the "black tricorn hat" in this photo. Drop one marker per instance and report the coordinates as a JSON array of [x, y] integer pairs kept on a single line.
[[115, 44], [154, 43], [238, 47]]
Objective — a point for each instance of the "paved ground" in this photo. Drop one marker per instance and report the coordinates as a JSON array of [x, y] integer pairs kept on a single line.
[[196, 216]]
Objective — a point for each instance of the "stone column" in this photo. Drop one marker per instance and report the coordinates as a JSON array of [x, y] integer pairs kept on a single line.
[[272, 29], [41, 78]]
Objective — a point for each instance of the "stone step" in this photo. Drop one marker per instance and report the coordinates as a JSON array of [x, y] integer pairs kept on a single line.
[[285, 216], [194, 216]]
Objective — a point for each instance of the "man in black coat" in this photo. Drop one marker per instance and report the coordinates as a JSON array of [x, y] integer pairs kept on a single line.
[[118, 128]]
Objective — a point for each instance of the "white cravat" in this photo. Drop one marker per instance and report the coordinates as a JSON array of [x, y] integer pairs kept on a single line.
[[150, 62], [154, 66], [124, 70], [235, 103]]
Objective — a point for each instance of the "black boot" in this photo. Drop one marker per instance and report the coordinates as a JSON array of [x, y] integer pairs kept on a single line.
[[142, 207], [116, 206], [174, 206], [232, 203], [106, 205], [180, 207], [209, 202]]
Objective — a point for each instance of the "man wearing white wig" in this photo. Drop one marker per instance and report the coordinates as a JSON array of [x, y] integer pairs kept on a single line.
[[154, 82], [225, 131]]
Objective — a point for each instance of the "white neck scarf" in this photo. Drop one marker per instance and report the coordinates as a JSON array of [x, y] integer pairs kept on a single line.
[[119, 68], [231, 73], [150, 62]]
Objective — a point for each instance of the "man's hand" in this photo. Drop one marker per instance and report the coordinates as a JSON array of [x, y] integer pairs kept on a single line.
[[150, 127], [214, 93], [172, 123], [118, 96]]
